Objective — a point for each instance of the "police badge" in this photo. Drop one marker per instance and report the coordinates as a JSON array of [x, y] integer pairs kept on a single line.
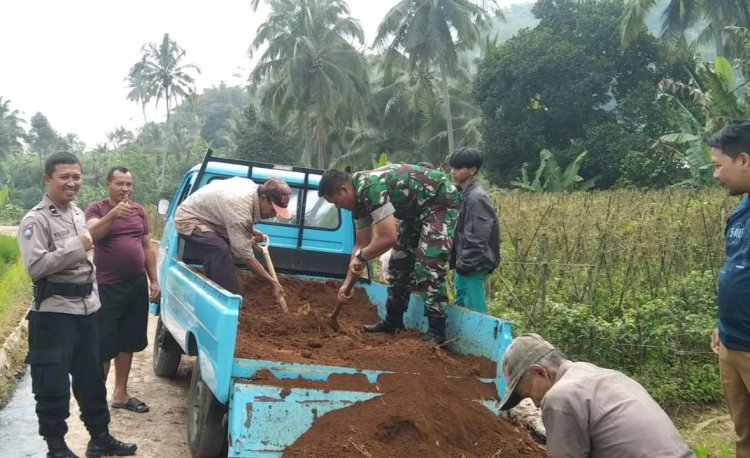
[[28, 231]]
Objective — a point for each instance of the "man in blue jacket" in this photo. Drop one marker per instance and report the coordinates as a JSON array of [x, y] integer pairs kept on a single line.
[[730, 152], [476, 243]]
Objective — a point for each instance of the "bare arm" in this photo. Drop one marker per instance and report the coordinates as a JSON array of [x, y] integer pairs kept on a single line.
[[257, 269], [387, 236], [150, 264], [99, 227]]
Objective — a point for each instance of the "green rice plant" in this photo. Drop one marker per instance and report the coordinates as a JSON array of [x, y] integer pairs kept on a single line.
[[15, 296], [701, 451], [8, 249], [625, 279]]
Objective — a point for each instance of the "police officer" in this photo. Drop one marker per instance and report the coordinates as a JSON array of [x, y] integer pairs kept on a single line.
[[426, 203], [63, 326]]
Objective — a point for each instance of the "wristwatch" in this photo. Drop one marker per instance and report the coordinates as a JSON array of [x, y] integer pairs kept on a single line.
[[359, 256]]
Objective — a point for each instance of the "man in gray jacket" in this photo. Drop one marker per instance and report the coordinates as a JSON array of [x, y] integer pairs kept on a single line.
[[476, 243], [63, 323]]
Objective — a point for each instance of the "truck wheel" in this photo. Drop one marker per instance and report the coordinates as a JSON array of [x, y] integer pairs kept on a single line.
[[166, 358], [206, 435]]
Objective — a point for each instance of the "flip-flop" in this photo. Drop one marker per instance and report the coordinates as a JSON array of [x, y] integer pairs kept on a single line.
[[134, 405]]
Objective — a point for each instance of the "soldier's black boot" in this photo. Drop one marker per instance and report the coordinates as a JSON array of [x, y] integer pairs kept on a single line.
[[58, 448], [104, 444], [435, 331], [392, 323]]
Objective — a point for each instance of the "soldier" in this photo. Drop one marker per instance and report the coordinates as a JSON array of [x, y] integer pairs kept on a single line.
[[63, 322], [426, 202]]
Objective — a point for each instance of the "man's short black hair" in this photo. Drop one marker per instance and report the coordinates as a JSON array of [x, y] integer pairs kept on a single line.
[[466, 157], [426, 165], [331, 180], [117, 168], [732, 139], [62, 157]]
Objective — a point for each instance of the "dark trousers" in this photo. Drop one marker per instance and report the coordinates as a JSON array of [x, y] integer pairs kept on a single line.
[[61, 344], [214, 253]]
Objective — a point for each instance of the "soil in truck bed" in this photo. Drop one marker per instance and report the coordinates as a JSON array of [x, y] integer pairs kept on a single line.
[[427, 415]]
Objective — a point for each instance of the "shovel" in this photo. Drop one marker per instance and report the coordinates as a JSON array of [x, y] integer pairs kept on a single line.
[[333, 320], [264, 249]]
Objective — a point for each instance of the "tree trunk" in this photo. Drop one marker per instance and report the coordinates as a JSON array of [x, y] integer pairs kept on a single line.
[[164, 154], [306, 152], [718, 36], [320, 140], [448, 115]]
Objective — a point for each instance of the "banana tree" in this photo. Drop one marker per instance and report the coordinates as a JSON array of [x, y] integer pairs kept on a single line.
[[698, 109], [550, 177]]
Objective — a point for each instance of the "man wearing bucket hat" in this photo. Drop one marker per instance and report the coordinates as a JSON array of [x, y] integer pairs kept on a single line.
[[587, 410], [217, 224]]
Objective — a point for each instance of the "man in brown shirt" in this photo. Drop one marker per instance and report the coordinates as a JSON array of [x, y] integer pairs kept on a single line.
[[217, 220], [587, 411], [124, 257]]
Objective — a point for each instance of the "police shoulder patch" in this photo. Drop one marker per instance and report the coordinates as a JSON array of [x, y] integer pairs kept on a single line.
[[28, 231]]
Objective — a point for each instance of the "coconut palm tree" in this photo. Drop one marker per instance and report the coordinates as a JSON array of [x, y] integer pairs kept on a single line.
[[406, 118], [139, 86], [166, 77], [11, 130], [431, 31], [310, 70], [682, 15], [120, 137]]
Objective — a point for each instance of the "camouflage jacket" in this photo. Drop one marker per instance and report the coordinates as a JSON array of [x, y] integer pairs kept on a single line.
[[401, 190]]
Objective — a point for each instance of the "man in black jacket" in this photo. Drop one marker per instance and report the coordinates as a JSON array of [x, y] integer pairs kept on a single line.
[[476, 243]]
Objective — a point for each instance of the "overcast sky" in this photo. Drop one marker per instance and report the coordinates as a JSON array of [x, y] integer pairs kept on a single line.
[[68, 58]]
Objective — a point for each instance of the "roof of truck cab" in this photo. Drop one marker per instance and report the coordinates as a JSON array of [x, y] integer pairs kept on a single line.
[[259, 173]]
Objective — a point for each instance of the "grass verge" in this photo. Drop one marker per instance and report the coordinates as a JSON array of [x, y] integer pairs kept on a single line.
[[708, 429], [15, 295]]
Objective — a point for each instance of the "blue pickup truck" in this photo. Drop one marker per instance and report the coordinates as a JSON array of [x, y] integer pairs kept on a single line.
[[227, 414]]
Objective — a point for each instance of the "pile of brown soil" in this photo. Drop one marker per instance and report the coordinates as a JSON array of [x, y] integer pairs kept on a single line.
[[426, 408]]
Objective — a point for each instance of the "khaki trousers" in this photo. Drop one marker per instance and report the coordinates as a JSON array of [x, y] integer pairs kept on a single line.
[[734, 366]]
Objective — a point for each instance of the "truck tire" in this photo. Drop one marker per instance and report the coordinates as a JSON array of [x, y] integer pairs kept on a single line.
[[205, 432], [166, 357]]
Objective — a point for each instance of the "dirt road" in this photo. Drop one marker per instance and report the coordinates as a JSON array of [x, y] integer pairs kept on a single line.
[[161, 432]]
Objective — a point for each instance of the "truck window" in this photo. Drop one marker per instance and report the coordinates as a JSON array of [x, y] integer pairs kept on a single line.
[[319, 214]]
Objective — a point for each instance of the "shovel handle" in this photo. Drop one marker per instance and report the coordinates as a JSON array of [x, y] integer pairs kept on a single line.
[[272, 272]]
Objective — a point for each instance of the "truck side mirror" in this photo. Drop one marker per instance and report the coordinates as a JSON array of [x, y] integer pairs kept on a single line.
[[163, 207]]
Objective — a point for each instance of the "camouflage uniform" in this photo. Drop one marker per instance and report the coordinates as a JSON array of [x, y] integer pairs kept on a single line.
[[426, 202]]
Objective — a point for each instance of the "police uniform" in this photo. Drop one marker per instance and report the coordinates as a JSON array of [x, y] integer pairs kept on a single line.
[[426, 202], [63, 323]]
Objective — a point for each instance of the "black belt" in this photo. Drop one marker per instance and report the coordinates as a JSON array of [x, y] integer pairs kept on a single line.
[[44, 289]]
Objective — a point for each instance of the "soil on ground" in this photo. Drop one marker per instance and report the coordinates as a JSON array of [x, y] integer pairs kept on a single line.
[[428, 405]]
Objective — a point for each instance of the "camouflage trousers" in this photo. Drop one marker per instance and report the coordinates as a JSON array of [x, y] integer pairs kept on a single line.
[[419, 259]]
